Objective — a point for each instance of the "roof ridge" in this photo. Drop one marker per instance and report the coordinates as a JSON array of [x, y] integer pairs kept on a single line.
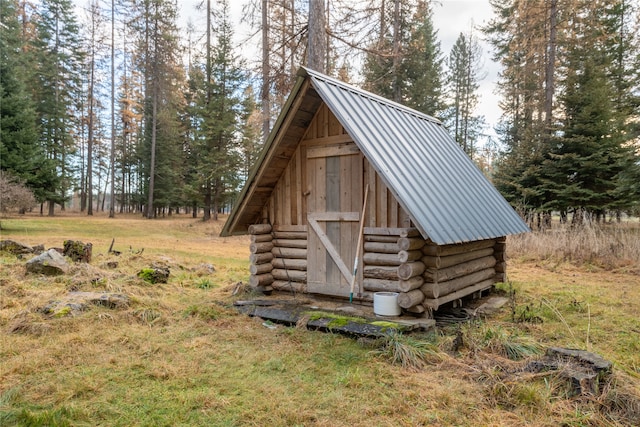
[[372, 96]]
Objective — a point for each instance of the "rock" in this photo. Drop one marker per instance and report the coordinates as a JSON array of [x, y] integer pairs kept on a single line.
[[76, 302], [77, 251], [204, 269], [49, 263], [584, 370], [15, 248], [155, 274]]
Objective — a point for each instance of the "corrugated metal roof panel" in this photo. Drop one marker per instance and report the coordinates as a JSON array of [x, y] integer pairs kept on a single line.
[[446, 195]]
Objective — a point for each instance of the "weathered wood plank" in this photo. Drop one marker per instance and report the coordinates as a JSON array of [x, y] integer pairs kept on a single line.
[[390, 231], [331, 250], [344, 149]]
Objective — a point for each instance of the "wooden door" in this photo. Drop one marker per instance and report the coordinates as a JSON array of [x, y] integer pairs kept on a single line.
[[334, 176]]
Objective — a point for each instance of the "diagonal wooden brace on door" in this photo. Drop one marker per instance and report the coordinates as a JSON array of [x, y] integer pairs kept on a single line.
[[313, 220]]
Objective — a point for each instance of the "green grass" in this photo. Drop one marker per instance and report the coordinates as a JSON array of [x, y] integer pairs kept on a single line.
[[179, 354]]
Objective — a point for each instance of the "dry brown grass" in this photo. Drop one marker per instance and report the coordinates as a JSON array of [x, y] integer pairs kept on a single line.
[[178, 354], [609, 246]]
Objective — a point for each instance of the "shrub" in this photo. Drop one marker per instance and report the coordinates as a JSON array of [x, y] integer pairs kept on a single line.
[[14, 195]]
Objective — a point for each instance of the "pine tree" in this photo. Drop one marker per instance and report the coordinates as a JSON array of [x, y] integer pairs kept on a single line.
[[55, 89], [20, 152], [588, 160], [219, 160], [159, 148], [405, 63], [422, 66], [464, 65]]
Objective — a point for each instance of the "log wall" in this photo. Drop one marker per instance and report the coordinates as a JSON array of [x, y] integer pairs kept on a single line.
[[427, 275], [392, 263], [289, 258], [260, 265]]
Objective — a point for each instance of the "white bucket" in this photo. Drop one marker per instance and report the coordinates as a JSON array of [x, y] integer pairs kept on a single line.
[[386, 304]]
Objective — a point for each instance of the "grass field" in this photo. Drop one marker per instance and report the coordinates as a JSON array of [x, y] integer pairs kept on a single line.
[[180, 355]]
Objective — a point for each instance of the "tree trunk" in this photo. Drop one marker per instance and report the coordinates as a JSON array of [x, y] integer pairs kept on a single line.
[[317, 47], [266, 73]]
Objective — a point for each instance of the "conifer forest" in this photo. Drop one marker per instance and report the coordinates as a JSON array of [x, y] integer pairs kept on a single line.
[[119, 106]]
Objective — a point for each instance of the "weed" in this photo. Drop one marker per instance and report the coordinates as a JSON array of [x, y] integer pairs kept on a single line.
[[206, 312], [497, 340], [148, 316], [205, 284], [407, 351]]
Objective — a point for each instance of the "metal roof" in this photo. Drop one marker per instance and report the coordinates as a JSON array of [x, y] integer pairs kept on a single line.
[[443, 191], [447, 197]]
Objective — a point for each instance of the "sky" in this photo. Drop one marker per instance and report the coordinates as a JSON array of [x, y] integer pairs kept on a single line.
[[451, 17]]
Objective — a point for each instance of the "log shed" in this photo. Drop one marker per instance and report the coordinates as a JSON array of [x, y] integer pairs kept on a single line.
[[434, 228]]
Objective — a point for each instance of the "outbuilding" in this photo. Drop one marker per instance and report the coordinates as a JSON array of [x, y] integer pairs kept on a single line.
[[434, 228]]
